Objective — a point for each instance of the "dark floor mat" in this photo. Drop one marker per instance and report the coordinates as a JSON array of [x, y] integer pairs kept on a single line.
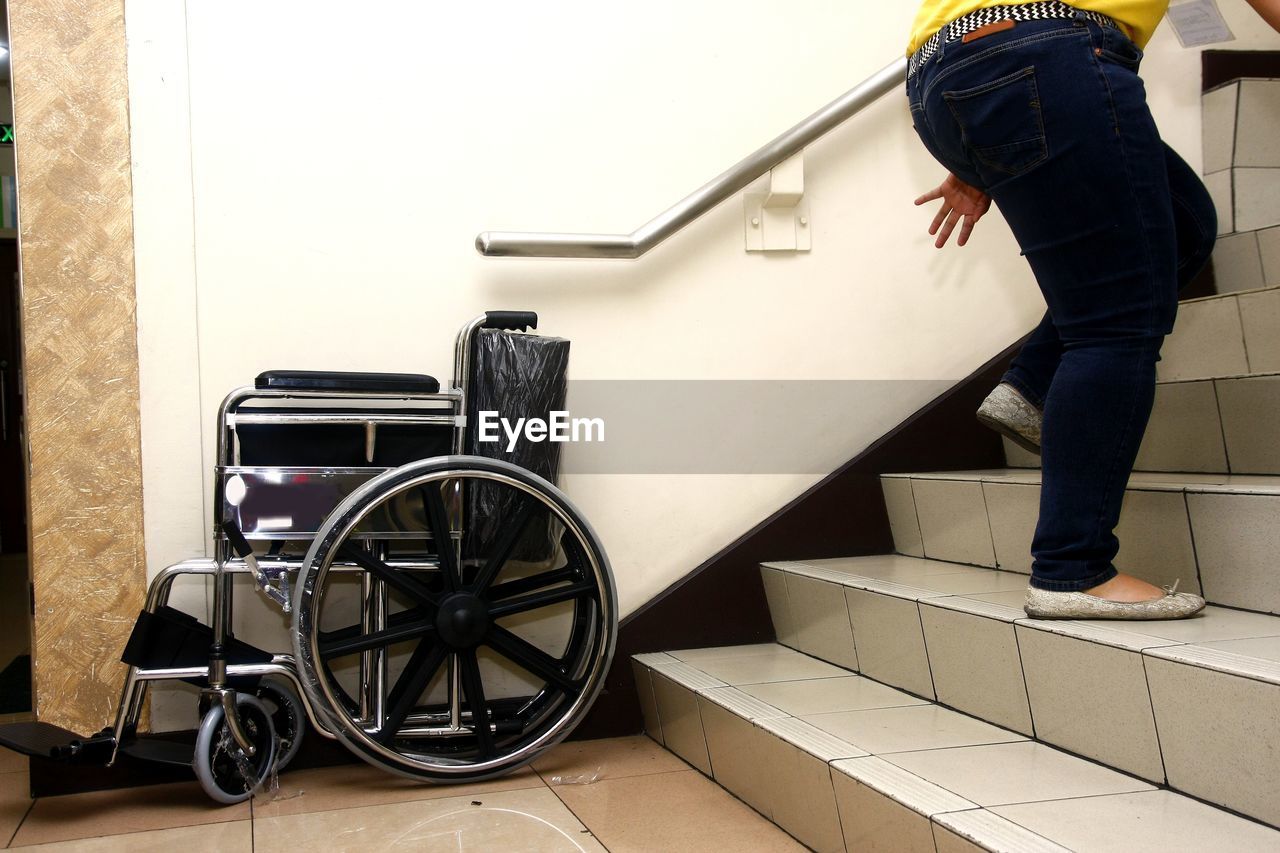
[[15, 686]]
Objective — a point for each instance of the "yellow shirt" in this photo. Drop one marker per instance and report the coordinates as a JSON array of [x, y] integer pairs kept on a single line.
[[1140, 16]]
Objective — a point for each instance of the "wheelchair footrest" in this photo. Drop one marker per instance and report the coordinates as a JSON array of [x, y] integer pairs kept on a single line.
[[49, 741]]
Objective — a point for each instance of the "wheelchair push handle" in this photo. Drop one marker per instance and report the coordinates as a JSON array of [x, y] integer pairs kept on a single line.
[[512, 321]]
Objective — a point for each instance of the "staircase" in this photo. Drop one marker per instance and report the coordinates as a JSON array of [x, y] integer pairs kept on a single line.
[[909, 704]]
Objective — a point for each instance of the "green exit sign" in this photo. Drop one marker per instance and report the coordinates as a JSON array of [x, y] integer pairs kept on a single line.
[[6, 134]]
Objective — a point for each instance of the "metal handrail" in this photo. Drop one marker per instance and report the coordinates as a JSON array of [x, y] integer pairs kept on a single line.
[[520, 244]]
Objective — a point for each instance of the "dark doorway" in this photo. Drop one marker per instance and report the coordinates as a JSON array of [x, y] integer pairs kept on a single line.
[[15, 584]]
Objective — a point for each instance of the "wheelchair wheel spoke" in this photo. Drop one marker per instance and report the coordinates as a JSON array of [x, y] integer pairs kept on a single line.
[[395, 620], [378, 639], [423, 664], [519, 586], [531, 658], [473, 685], [401, 581], [511, 534], [438, 521], [546, 598]]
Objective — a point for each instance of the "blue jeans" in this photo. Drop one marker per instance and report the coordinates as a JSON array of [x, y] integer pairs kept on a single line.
[[1050, 119]]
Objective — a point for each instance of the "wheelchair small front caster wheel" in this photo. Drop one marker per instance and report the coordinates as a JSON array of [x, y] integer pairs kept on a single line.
[[287, 717], [225, 772]]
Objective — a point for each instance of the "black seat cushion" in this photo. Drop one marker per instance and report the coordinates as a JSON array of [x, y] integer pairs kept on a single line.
[[329, 380]]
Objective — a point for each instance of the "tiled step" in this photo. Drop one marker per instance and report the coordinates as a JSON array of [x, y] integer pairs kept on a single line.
[[1218, 534], [844, 763], [1211, 426], [1248, 260], [1235, 334], [1194, 704], [1241, 122]]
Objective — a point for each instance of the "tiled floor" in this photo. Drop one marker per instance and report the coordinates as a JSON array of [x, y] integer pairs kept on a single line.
[[623, 794]]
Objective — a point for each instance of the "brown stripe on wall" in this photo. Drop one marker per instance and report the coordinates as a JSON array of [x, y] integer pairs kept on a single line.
[[1222, 66]]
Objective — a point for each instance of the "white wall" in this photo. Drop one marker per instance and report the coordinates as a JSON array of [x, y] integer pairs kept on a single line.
[[309, 178]]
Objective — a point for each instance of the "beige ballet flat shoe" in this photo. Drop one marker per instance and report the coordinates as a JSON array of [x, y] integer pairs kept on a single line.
[[1047, 604], [1009, 413]]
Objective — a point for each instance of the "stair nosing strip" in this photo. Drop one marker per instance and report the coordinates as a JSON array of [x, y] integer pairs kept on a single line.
[[996, 832], [687, 676], [811, 739], [1114, 638], [902, 786], [976, 607], [652, 659], [741, 704], [1217, 660]]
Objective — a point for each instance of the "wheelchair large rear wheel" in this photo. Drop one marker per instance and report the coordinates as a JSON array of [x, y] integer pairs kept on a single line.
[[454, 618]]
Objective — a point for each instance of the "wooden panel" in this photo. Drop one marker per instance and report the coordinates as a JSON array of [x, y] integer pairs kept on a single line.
[[80, 348]]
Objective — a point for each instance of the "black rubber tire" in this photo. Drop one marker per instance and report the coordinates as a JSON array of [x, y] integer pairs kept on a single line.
[[212, 762], [550, 715]]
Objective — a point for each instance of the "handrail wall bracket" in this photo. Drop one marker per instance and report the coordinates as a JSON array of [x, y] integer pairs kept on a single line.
[[778, 220]]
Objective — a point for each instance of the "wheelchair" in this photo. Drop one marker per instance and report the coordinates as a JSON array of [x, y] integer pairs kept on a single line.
[[453, 615]]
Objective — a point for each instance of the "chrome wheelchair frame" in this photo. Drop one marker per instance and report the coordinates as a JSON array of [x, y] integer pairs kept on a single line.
[[429, 590]]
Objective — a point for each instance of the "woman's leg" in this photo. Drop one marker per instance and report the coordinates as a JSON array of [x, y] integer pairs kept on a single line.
[[1052, 120], [1195, 223]]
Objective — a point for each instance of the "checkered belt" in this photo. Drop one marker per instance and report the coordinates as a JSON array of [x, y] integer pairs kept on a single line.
[[1040, 11]]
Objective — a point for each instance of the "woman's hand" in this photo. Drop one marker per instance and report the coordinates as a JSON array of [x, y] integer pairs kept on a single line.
[[959, 200]]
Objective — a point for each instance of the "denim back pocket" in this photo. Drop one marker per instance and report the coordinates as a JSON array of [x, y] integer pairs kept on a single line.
[[1001, 124]]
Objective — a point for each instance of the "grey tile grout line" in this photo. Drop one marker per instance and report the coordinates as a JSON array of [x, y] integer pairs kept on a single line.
[[1155, 721], [915, 513], [924, 641], [986, 511], [1244, 338], [13, 837], [853, 633], [1235, 145], [1022, 668], [915, 506], [1195, 554], [578, 817], [1217, 401]]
